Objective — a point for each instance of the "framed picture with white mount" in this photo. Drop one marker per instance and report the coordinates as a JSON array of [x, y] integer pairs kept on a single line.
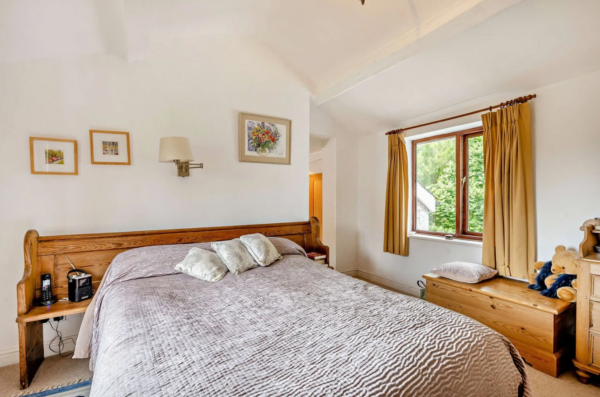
[[52, 156], [265, 139], [110, 147]]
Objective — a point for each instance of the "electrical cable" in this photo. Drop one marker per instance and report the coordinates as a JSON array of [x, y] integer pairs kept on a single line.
[[61, 341]]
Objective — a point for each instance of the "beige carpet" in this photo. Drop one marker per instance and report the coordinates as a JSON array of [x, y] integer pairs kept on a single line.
[[567, 385], [57, 371], [54, 372]]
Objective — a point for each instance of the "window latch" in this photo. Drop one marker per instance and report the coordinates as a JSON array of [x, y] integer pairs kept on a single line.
[[464, 180]]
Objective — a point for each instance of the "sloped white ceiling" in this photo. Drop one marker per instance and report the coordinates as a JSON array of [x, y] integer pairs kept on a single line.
[[533, 44], [330, 44], [31, 29], [369, 67], [320, 39]]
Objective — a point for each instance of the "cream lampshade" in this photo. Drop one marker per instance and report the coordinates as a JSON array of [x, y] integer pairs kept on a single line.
[[177, 149]]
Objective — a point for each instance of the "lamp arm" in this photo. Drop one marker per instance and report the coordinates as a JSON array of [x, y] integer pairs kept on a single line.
[[187, 163], [183, 167]]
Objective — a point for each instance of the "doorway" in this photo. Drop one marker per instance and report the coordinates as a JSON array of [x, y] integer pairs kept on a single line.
[[315, 198]]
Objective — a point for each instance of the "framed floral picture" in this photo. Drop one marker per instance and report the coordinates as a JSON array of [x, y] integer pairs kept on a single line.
[[110, 147], [265, 139], [52, 156]]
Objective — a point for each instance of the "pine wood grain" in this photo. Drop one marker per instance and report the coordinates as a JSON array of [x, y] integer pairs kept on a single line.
[[95, 252], [26, 287], [31, 351], [516, 322], [583, 309], [595, 350], [587, 351], [595, 282], [60, 308], [510, 290], [552, 364], [541, 328]]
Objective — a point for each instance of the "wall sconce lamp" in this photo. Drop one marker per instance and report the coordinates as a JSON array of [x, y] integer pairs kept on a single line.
[[176, 149]]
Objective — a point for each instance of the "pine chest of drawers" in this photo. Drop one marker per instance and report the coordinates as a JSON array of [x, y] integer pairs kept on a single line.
[[587, 354]]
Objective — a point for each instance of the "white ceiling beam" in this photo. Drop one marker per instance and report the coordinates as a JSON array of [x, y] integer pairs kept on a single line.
[[431, 32]]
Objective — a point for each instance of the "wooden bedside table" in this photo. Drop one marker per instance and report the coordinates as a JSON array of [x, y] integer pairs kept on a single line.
[[319, 258]]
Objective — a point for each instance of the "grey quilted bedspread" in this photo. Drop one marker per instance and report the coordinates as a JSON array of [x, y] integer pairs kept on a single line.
[[295, 328]]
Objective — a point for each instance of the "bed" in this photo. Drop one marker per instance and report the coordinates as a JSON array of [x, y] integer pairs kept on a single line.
[[293, 328]]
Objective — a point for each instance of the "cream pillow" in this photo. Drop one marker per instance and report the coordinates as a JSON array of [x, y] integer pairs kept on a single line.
[[465, 272], [202, 264], [235, 255], [261, 248]]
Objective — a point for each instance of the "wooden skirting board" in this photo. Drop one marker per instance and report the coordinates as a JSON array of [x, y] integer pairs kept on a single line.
[[94, 253], [541, 328]]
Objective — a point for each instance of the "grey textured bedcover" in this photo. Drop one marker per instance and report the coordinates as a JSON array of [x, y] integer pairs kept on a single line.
[[294, 328]]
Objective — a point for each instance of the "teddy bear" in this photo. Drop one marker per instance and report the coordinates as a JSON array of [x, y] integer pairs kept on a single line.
[[557, 278]]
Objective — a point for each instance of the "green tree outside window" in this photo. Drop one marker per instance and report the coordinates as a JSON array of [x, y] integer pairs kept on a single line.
[[436, 172]]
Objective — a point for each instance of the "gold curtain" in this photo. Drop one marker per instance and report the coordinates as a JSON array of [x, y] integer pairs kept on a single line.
[[395, 239], [509, 217]]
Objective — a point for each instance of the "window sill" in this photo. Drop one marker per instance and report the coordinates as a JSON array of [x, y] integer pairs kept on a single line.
[[443, 240]]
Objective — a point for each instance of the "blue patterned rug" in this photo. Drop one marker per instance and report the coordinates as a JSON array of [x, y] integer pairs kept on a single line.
[[81, 389]]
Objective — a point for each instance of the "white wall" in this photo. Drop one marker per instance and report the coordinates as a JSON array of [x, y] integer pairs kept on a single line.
[[346, 202], [329, 199], [315, 167], [192, 88], [566, 132], [340, 184]]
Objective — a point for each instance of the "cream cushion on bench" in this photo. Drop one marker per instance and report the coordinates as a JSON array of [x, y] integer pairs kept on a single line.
[[465, 272]]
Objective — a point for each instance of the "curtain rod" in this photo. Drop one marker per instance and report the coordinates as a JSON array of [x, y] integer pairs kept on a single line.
[[521, 99]]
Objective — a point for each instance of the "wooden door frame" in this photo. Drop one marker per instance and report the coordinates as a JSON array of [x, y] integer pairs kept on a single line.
[[311, 179]]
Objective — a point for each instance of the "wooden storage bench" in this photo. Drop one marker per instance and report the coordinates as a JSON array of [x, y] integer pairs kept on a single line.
[[541, 328]]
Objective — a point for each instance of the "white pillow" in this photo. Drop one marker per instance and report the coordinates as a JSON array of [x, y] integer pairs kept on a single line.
[[465, 272], [235, 255], [202, 264], [261, 248]]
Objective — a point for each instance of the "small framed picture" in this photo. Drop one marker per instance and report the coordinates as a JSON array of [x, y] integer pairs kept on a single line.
[[265, 139], [53, 156], [109, 147]]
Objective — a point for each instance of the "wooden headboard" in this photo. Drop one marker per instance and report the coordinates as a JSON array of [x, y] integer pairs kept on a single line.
[[94, 252]]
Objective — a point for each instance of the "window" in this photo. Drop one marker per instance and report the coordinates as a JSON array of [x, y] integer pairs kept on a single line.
[[448, 184]]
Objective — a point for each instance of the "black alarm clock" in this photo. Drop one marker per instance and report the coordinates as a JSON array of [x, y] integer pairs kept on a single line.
[[80, 285]]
